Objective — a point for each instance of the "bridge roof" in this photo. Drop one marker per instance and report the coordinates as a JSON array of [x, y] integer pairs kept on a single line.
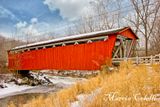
[[76, 37]]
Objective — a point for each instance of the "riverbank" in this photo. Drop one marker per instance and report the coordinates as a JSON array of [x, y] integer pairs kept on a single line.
[[24, 93]]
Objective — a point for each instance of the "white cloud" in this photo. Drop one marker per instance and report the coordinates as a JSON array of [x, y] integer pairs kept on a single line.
[[5, 13], [32, 28], [34, 20], [21, 24], [24, 28], [5, 34], [70, 9]]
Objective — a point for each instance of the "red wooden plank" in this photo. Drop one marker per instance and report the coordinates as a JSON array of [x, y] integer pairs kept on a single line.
[[87, 56], [127, 33]]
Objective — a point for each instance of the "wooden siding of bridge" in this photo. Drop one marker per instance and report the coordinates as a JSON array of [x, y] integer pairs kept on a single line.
[[88, 56], [128, 33]]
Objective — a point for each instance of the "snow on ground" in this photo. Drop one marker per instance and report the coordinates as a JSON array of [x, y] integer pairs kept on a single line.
[[71, 73], [58, 82], [85, 97], [57, 79], [11, 88], [64, 80]]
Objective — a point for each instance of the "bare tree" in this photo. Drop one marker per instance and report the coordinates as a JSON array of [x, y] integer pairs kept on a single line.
[[104, 18], [146, 15], [155, 41], [134, 21], [119, 12], [100, 20], [85, 25]]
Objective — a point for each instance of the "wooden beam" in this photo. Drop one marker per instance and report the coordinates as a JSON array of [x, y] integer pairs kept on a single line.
[[117, 51], [131, 46]]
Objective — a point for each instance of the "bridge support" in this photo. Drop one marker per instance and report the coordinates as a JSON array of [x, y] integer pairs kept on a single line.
[[123, 47]]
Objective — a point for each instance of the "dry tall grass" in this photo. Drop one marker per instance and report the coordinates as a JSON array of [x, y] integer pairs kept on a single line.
[[132, 86], [118, 89]]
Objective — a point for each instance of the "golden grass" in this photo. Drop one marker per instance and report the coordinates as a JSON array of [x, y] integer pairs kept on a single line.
[[127, 82], [128, 85]]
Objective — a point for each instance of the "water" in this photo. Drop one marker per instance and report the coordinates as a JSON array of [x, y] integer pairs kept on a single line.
[[22, 98], [27, 95]]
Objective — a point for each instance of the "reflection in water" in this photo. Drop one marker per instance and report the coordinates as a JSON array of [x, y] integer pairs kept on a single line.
[[29, 94], [23, 98]]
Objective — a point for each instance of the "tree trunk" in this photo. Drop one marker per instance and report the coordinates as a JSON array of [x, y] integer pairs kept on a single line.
[[146, 46]]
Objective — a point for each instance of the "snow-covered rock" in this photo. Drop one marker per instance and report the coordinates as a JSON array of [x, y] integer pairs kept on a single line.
[[16, 86]]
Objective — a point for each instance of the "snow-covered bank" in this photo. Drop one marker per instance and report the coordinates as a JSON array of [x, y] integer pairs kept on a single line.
[[71, 73], [64, 80], [12, 88], [58, 83]]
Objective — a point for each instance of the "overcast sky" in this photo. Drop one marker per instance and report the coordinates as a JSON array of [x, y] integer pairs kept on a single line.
[[38, 15]]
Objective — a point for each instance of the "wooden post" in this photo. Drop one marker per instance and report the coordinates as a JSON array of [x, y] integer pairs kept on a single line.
[[137, 60], [151, 59], [146, 60], [125, 59], [159, 58], [124, 48], [121, 53]]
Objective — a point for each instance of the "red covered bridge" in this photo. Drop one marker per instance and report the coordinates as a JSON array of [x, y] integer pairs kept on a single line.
[[78, 52]]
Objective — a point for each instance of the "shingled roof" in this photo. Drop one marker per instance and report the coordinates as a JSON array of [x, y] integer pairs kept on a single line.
[[76, 37]]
